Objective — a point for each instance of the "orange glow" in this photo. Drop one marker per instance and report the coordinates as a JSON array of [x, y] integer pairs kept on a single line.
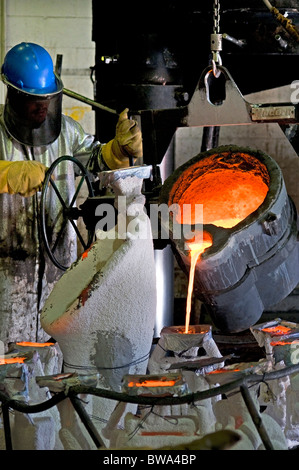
[[277, 330], [12, 360], [196, 249], [229, 186], [222, 371], [34, 345], [85, 253], [228, 196], [283, 343], [153, 383]]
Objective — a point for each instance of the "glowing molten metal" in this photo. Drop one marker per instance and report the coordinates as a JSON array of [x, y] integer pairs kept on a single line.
[[229, 188], [12, 360], [277, 330], [196, 249], [34, 345], [153, 383], [283, 343]]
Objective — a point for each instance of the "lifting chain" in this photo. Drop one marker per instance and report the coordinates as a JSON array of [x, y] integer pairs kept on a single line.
[[216, 39]]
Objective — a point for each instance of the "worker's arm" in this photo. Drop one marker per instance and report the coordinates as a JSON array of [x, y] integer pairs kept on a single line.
[[21, 177]]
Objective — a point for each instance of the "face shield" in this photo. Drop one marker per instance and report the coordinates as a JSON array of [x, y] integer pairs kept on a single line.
[[33, 119]]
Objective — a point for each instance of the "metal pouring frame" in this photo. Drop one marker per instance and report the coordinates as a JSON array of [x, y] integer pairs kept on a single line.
[[72, 392]]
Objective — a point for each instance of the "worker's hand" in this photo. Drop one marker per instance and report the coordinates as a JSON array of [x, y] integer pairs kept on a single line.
[[127, 142], [128, 136], [21, 177]]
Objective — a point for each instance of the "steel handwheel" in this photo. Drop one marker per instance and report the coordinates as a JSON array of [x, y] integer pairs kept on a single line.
[[59, 213]]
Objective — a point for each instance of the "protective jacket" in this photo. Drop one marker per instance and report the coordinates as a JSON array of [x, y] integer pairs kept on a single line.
[[27, 276]]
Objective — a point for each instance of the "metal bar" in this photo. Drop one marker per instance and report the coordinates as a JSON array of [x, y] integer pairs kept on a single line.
[[84, 99], [6, 423], [58, 65], [150, 150], [210, 138], [256, 418], [86, 421]]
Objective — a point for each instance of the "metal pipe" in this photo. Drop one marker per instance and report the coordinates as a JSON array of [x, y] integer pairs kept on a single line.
[[237, 42]]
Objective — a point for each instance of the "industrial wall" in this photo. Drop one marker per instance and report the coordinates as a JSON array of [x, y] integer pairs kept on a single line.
[[62, 27]]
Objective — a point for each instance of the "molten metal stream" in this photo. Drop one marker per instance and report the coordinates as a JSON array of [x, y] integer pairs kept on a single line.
[[196, 249]]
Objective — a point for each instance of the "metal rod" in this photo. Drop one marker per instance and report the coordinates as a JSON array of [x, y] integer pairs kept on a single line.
[[256, 418], [84, 99], [86, 421], [210, 138], [58, 65], [6, 423]]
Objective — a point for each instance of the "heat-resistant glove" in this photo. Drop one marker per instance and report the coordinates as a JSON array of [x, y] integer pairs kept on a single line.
[[21, 177], [127, 142]]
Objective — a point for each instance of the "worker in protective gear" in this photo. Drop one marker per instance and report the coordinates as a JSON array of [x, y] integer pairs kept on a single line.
[[33, 134]]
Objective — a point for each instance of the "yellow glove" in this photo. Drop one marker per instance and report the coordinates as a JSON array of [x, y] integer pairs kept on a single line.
[[21, 177], [127, 142]]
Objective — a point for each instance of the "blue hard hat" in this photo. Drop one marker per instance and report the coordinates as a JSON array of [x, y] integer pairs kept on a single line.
[[29, 67]]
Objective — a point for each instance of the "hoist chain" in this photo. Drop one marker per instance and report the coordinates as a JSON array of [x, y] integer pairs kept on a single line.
[[216, 39], [216, 17]]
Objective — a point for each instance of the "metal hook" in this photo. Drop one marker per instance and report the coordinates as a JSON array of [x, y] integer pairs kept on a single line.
[[215, 62]]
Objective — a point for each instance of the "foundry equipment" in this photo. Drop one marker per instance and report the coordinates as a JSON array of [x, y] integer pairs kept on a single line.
[[190, 64], [156, 73], [253, 261]]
